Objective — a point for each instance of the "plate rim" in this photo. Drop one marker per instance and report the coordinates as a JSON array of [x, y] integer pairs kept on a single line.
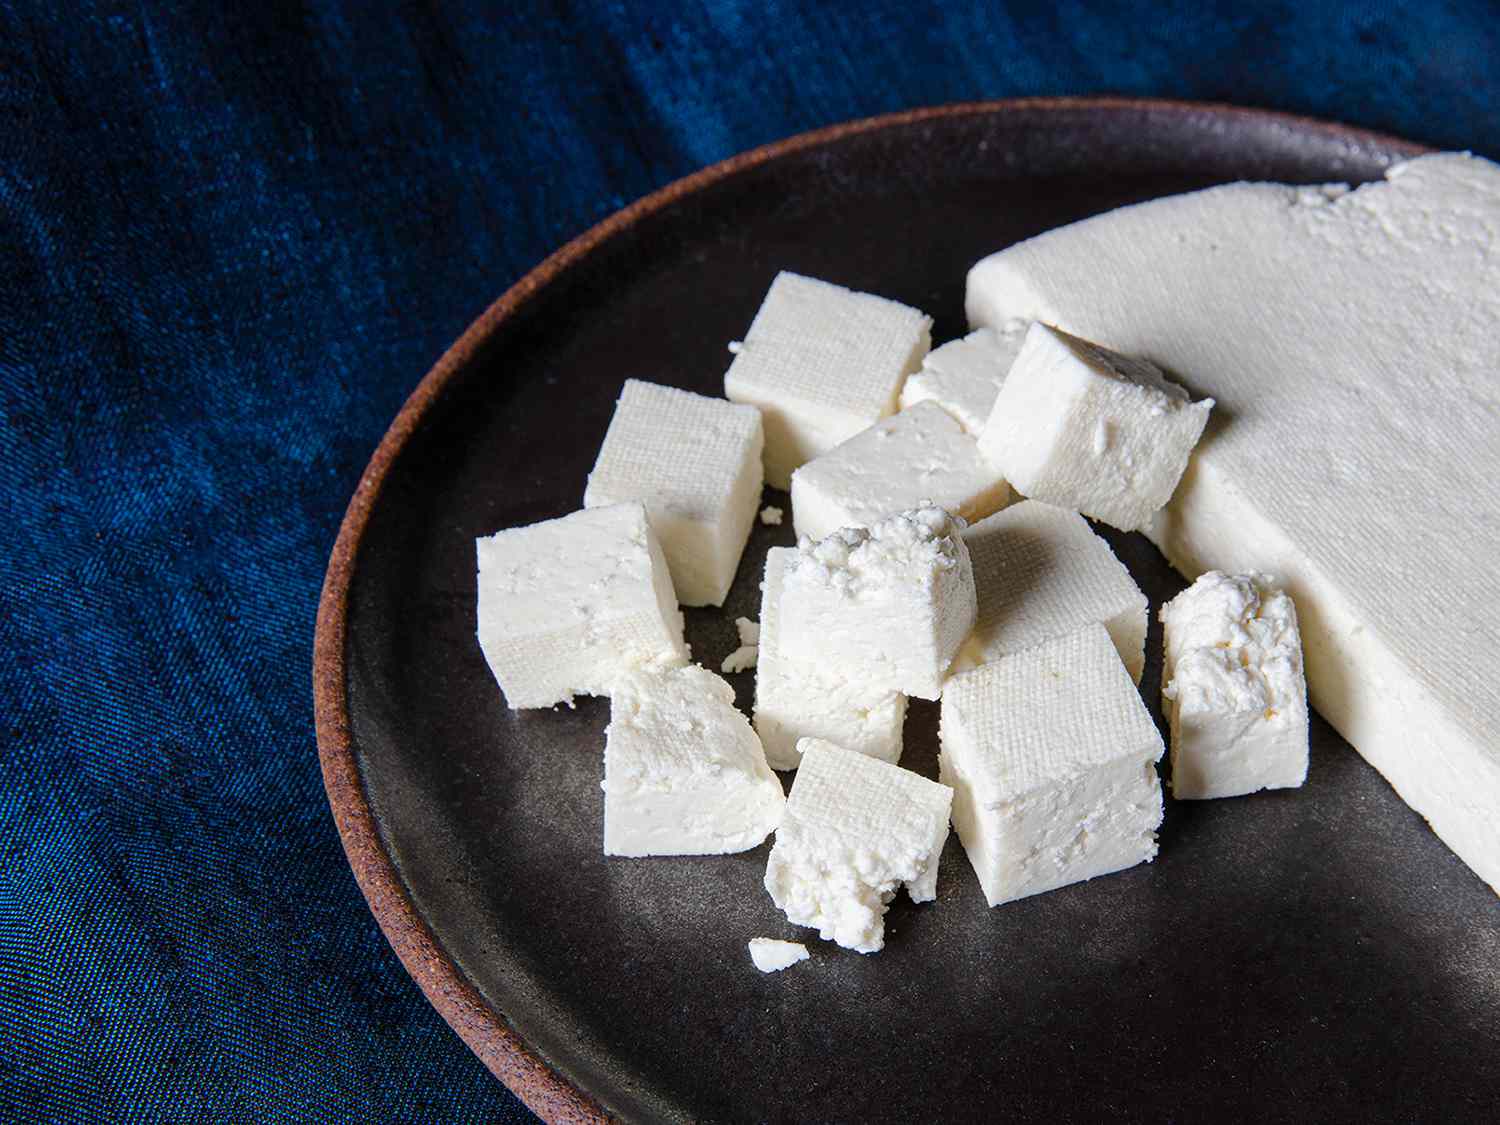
[[545, 1091]]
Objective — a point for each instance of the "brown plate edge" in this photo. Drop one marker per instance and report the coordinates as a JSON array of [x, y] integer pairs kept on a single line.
[[546, 1092]]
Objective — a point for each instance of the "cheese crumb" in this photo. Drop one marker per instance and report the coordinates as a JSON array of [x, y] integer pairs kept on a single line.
[[771, 955], [771, 515], [746, 656]]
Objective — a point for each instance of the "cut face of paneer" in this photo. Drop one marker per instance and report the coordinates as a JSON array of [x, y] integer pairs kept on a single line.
[[889, 605], [567, 606], [695, 463], [797, 698], [683, 772], [1040, 573], [822, 363], [1233, 687], [964, 376], [1052, 758], [913, 459], [854, 831], [1091, 430]]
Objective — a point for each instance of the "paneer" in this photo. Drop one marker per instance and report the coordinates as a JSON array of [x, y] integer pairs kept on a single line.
[[567, 606], [1091, 430], [822, 363], [1052, 758], [913, 459], [695, 463]]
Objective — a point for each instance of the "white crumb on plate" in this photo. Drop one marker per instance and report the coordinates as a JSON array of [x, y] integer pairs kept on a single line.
[[771, 515], [771, 955], [748, 654]]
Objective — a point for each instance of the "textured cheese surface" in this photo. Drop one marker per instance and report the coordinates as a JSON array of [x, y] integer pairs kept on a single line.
[[1040, 572], [1350, 340], [683, 772], [1052, 758], [963, 376], [695, 463], [811, 699], [1092, 430], [770, 955], [822, 362], [854, 831], [566, 606], [888, 605], [913, 459], [1233, 687]]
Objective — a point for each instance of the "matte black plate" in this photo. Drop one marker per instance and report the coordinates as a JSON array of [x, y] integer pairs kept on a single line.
[[1297, 955]]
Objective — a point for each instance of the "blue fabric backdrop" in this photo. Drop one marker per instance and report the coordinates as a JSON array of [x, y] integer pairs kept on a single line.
[[234, 236]]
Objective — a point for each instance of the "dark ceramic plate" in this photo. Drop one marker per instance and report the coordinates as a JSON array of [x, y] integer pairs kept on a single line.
[[1297, 955]]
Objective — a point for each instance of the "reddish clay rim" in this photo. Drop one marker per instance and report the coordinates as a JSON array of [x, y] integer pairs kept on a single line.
[[547, 1093]]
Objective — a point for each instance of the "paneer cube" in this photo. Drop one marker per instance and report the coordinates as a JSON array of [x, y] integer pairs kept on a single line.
[[822, 363], [1052, 758], [683, 772], [1091, 430], [964, 375], [1040, 572], [798, 698], [695, 463], [569, 605], [1234, 688], [888, 605], [913, 459], [854, 831]]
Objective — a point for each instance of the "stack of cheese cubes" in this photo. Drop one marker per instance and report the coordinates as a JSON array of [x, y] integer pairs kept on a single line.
[[914, 576]]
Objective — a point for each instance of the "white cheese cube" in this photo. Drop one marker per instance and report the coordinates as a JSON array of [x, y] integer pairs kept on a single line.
[[855, 829], [964, 376], [1052, 758], [797, 699], [771, 956], [1092, 430], [890, 604], [683, 772], [1040, 572], [568, 605], [916, 458], [1233, 687], [822, 362], [694, 462]]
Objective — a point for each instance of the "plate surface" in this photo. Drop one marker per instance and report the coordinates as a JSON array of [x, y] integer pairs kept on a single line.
[[1307, 954]]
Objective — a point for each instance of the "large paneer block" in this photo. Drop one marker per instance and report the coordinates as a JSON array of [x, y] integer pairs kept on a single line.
[[1040, 572], [964, 375], [798, 698], [913, 459], [1052, 758], [822, 363], [889, 605], [567, 606], [1092, 430], [1233, 687], [683, 772], [854, 831], [695, 463]]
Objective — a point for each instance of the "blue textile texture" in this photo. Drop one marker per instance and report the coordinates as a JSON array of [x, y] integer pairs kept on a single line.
[[234, 236]]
